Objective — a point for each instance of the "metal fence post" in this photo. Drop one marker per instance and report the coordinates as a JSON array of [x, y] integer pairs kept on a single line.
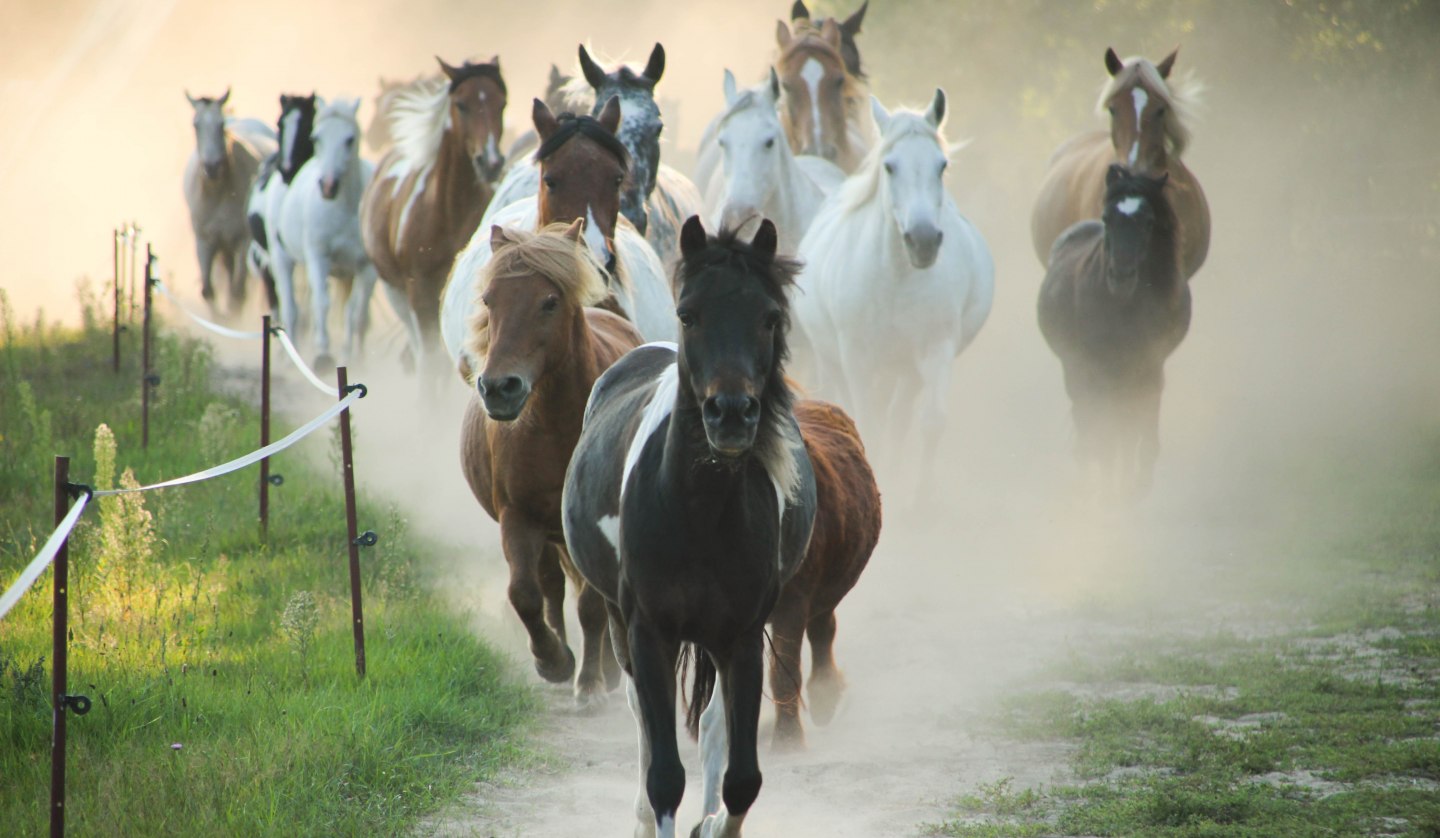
[[146, 377], [59, 658], [351, 527], [265, 429], [115, 326]]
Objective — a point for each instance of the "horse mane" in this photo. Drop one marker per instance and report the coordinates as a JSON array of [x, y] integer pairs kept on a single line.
[[591, 129], [568, 265], [419, 115], [812, 27], [1181, 95], [776, 440], [862, 186]]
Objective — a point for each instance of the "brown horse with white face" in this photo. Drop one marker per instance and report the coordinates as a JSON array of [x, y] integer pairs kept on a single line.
[[1148, 113], [431, 189], [542, 347], [824, 107]]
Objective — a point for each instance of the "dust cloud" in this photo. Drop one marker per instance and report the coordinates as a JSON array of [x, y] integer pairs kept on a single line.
[[1312, 344]]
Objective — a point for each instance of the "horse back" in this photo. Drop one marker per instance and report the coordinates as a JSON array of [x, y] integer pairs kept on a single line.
[[1073, 189], [847, 506]]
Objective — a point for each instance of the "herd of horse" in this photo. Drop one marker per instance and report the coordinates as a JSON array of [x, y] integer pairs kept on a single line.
[[634, 422]]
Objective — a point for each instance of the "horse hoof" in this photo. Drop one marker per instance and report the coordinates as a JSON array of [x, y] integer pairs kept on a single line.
[[324, 364], [824, 699], [208, 293], [789, 739], [557, 673], [590, 700], [407, 361]]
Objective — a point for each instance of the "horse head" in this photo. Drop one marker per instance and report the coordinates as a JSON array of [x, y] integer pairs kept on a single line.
[[297, 123], [849, 28], [337, 144], [477, 112], [912, 157], [534, 291], [1144, 126], [640, 124], [582, 172], [816, 88], [751, 141], [1135, 209], [210, 143], [734, 319]]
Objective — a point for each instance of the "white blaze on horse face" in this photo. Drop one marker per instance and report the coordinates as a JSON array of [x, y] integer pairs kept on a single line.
[[1130, 205], [813, 72], [492, 151], [290, 126], [595, 238], [656, 411], [1140, 97]]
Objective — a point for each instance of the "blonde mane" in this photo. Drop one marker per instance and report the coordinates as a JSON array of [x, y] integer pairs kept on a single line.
[[418, 116], [861, 187], [1181, 96], [547, 254]]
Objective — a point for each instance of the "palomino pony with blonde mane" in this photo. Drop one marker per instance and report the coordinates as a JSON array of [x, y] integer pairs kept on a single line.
[[896, 284], [541, 347], [1149, 130], [431, 189]]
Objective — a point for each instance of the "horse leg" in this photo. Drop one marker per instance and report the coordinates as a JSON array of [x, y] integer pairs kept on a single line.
[[238, 272], [524, 547], [552, 587], [787, 634], [205, 252], [357, 312], [742, 678], [652, 656], [283, 266], [1147, 423], [644, 814], [317, 270], [714, 747], [590, 685], [400, 303], [827, 682], [934, 378], [610, 660]]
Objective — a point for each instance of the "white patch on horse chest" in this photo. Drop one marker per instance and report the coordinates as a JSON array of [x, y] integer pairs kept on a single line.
[[661, 403], [813, 72], [1140, 97], [610, 528], [1130, 205]]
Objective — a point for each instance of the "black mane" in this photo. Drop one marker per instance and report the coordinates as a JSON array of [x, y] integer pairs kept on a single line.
[[589, 127]]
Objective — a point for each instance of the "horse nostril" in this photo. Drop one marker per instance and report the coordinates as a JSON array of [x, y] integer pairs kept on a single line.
[[509, 385], [909, 240], [711, 409], [751, 413], [939, 237]]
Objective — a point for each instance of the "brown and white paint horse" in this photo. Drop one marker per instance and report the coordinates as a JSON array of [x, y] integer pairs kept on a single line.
[[431, 189], [824, 106], [1149, 111], [542, 347]]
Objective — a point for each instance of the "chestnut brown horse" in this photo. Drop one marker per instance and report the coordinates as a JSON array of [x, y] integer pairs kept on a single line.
[[849, 28], [825, 107], [430, 191], [847, 527], [1149, 112], [543, 348]]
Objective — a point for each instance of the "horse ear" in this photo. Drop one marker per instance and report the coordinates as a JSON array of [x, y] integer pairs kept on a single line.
[[354, 107], [731, 90], [576, 228], [879, 114], [851, 26], [498, 237], [191, 99], [545, 122], [766, 239], [692, 237], [1113, 62], [774, 88], [495, 62], [223, 99], [830, 32], [594, 73], [557, 78], [655, 68], [782, 35], [1113, 174], [1164, 67], [609, 117], [935, 114], [450, 72], [798, 11]]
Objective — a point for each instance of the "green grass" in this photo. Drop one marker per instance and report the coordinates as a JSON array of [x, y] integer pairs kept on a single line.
[[1329, 728], [221, 670]]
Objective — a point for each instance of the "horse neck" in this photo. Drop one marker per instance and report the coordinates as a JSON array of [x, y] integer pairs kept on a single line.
[[459, 188], [797, 195]]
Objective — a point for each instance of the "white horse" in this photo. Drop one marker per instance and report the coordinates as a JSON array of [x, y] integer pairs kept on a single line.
[[642, 290], [760, 177], [896, 284], [319, 224]]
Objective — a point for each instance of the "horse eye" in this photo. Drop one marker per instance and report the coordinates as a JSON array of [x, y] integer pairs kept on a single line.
[[619, 179], [549, 182], [770, 143], [551, 303], [889, 168], [462, 107], [686, 319], [772, 321]]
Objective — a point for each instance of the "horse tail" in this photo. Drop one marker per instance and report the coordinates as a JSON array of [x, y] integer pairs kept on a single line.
[[700, 689]]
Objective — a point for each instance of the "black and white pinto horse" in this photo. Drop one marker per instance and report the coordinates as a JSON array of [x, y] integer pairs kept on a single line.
[[267, 195], [656, 198], [688, 504]]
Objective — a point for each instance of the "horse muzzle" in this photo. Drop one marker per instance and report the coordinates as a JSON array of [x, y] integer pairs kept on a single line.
[[731, 422], [487, 167], [922, 243], [504, 396], [329, 188], [212, 170]]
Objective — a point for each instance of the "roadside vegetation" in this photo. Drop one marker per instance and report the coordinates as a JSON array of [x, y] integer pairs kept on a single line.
[[221, 669]]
